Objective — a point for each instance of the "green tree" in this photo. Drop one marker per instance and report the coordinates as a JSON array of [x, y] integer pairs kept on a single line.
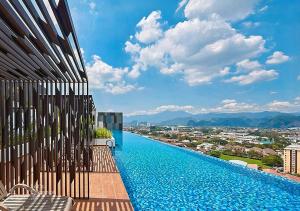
[[254, 155], [218, 141], [272, 160], [215, 153]]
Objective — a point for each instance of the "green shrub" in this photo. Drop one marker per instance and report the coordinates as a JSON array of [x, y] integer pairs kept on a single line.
[[272, 160], [102, 133], [215, 153]]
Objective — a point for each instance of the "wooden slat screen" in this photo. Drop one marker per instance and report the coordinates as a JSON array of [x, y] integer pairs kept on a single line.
[[46, 112]]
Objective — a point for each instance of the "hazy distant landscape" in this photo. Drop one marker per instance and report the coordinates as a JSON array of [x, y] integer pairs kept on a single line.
[[259, 119]]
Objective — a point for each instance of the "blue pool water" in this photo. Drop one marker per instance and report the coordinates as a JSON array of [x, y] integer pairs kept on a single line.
[[158, 176]]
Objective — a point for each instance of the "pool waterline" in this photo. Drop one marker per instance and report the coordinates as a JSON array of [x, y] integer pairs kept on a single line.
[[158, 175]]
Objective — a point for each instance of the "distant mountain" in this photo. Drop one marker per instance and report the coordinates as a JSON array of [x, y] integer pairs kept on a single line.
[[250, 115], [211, 116], [229, 122], [280, 121], [244, 119]]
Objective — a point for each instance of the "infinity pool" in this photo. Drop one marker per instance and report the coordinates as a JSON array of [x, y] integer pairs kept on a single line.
[[158, 176]]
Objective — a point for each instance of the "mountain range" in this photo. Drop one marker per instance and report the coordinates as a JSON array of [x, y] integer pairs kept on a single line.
[[245, 119]]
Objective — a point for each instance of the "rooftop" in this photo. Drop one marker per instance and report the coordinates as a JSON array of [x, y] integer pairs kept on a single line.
[[293, 147]]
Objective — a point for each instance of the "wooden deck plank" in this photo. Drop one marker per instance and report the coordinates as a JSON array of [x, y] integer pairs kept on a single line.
[[107, 191]]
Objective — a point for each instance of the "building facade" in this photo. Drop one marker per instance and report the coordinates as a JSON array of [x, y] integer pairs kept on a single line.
[[292, 159], [46, 112], [110, 120]]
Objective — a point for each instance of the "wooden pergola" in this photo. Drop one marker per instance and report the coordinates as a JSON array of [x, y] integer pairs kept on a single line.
[[46, 112]]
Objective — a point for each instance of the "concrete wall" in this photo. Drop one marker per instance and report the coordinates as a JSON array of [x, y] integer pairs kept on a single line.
[[110, 120]]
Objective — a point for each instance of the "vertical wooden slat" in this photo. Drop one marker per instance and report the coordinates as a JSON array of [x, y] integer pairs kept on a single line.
[[47, 134], [52, 136], [21, 134], [82, 138], [30, 132], [74, 137], [2, 128], [15, 138], [11, 133], [26, 129], [42, 140], [6, 137]]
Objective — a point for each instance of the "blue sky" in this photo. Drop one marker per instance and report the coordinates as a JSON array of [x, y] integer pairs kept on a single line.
[[144, 57]]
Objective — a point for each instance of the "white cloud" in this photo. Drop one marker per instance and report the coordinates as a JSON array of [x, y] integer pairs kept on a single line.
[[277, 57], [181, 4], [298, 78], [225, 71], [231, 10], [250, 24], [247, 65], [132, 48], [264, 8], [231, 105], [279, 105], [228, 106], [198, 49], [150, 28], [110, 79], [119, 88], [254, 76], [92, 5], [285, 106], [186, 108], [134, 72]]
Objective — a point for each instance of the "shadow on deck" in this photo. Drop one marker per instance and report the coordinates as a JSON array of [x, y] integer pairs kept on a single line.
[[107, 191], [103, 161]]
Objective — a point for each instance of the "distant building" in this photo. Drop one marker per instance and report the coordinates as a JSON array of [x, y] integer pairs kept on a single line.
[[205, 146], [110, 120], [255, 149], [186, 141], [292, 159]]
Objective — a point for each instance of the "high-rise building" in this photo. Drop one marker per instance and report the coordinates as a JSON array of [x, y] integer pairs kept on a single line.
[[110, 120], [292, 159]]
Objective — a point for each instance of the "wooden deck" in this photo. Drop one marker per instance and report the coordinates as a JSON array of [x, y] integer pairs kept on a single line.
[[107, 191]]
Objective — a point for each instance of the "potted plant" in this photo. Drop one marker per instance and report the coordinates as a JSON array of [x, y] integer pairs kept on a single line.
[[102, 137]]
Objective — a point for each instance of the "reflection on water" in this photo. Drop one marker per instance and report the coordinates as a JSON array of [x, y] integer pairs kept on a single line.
[[118, 135]]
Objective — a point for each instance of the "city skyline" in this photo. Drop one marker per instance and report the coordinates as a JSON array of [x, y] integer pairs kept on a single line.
[[146, 57]]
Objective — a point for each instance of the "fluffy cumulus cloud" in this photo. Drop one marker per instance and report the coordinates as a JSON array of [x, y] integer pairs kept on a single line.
[[149, 28], [201, 48], [254, 76], [247, 65], [231, 105], [287, 106], [228, 106], [186, 108], [107, 78], [277, 57], [231, 10]]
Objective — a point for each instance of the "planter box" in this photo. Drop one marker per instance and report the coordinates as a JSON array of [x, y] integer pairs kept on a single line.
[[103, 141]]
